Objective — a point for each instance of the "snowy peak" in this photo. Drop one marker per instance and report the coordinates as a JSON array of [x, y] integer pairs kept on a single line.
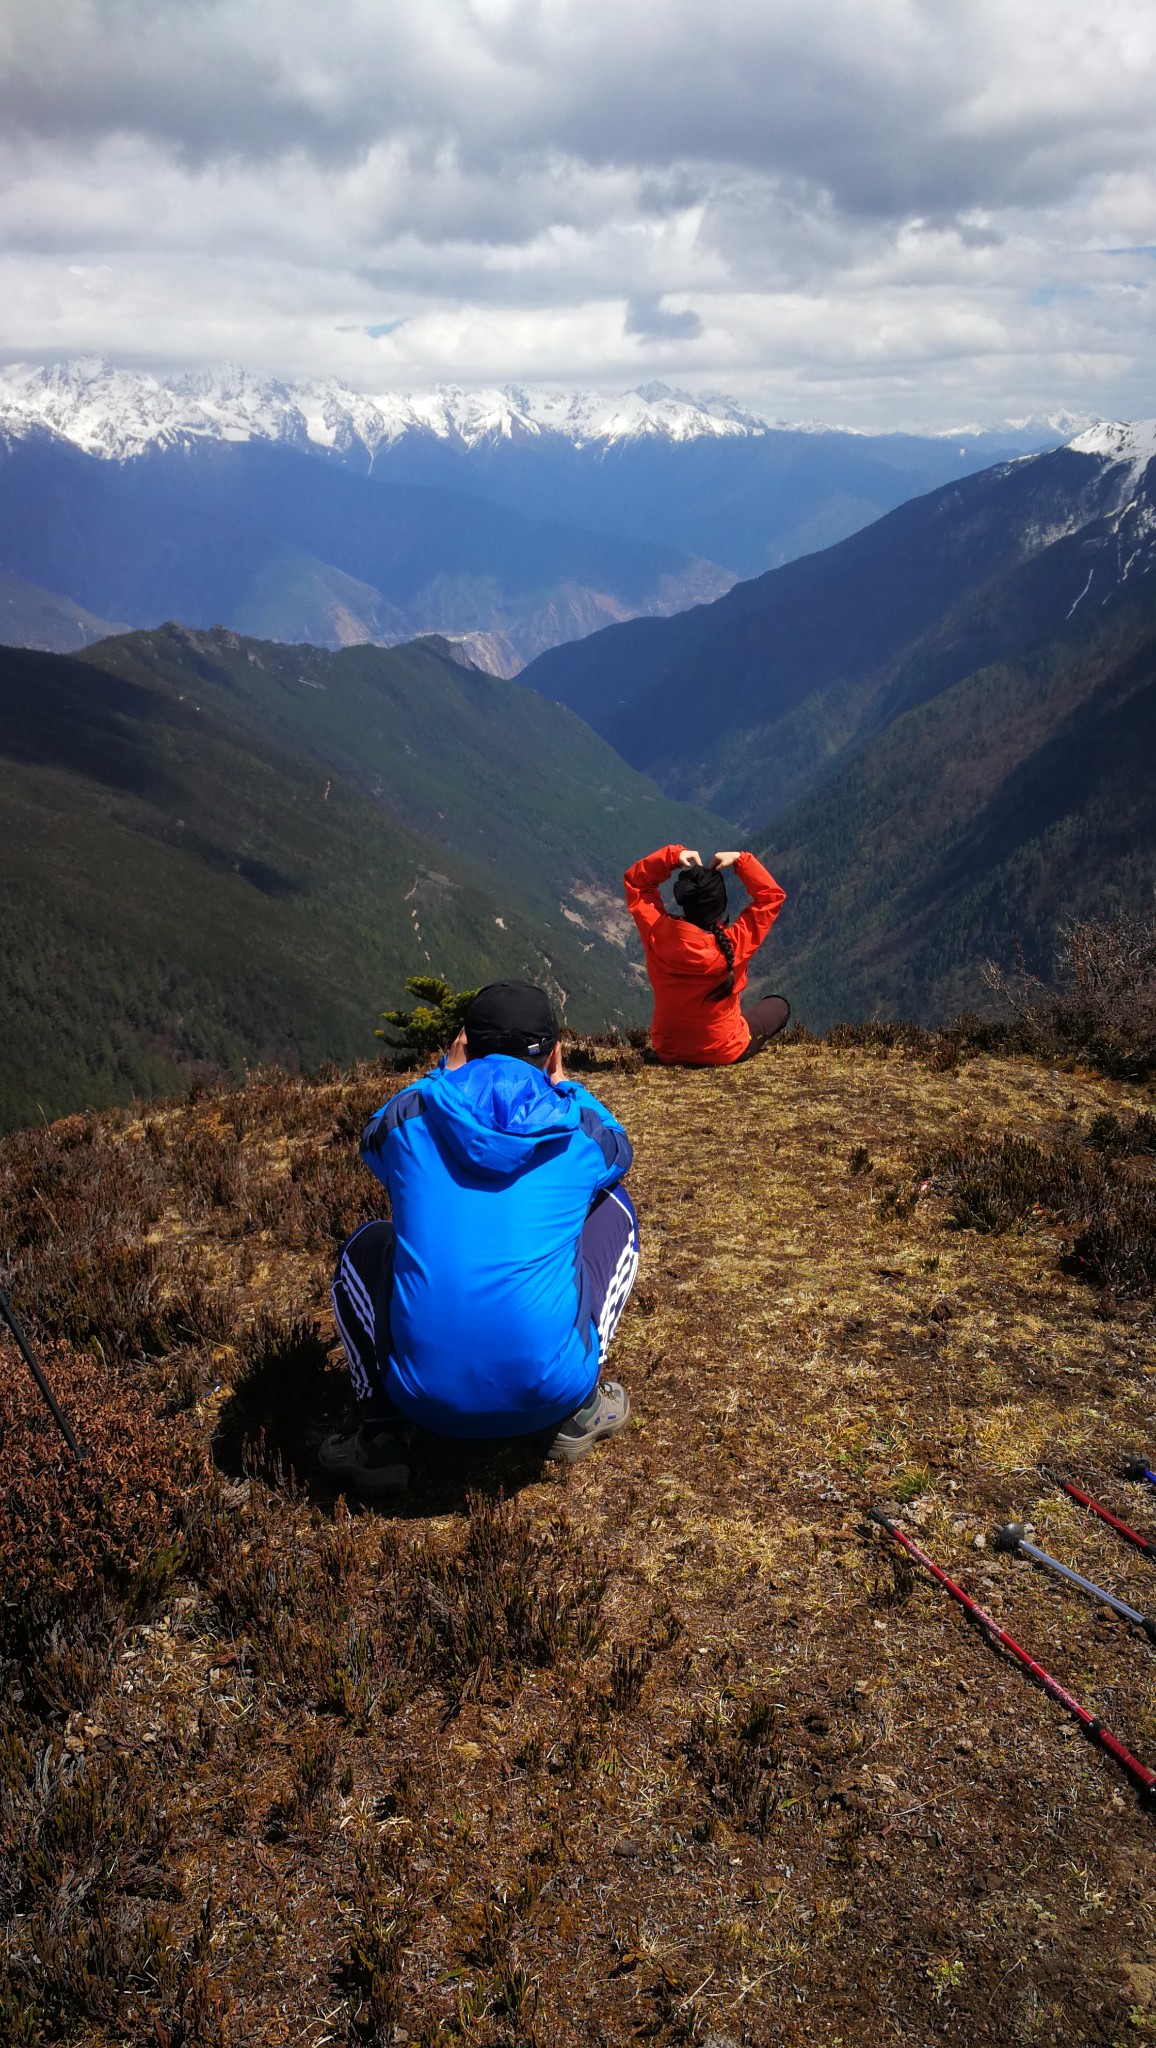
[[1132, 442], [118, 413], [121, 413]]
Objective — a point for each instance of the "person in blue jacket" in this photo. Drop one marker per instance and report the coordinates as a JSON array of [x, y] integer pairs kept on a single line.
[[486, 1307]]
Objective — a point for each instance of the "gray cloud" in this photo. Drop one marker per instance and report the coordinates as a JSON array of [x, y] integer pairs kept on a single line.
[[648, 316], [856, 208]]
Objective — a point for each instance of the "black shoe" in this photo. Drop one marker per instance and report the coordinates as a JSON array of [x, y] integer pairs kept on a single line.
[[371, 1460]]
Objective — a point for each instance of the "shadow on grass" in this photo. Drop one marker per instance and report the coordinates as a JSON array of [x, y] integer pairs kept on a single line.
[[290, 1393]]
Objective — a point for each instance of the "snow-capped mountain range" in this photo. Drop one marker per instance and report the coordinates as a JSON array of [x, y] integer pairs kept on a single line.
[[118, 413], [526, 517]]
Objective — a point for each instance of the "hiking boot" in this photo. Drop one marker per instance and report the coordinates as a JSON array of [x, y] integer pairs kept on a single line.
[[372, 1460], [604, 1414]]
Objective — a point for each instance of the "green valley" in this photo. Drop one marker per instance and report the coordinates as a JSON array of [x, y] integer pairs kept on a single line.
[[216, 851]]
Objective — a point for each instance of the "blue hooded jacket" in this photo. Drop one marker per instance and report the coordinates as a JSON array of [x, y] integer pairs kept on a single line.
[[491, 1170]]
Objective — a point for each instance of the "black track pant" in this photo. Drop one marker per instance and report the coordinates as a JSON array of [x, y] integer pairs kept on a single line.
[[363, 1282]]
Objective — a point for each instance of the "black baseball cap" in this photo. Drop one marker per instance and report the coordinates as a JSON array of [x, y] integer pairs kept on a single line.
[[512, 1017]]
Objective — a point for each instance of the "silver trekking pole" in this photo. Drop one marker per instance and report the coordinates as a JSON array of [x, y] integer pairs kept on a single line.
[[1012, 1537]]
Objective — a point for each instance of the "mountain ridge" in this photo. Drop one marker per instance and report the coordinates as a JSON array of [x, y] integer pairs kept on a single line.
[[913, 726], [888, 609], [116, 413]]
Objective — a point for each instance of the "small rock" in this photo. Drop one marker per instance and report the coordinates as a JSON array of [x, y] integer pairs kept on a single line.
[[979, 1542]]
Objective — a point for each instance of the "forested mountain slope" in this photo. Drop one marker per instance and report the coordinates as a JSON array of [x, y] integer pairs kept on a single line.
[[940, 732], [973, 826], [33, 617], [216, 850], [745, 701], [268, 540]]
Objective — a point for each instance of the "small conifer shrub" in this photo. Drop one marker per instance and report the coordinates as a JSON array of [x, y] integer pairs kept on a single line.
[[435, 1020]]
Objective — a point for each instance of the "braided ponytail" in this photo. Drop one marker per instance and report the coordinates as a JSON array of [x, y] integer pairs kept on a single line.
[[726, 947]]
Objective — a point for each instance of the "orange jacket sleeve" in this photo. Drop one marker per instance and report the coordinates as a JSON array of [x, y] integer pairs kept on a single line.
[[642, 881], [767, 899]]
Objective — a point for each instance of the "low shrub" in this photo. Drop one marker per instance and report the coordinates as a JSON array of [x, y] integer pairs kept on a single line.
[[509, 1597], [1102, 1193], [992, 1184], [1117, 1249], [84, 1544], [1102, 1006], [384, 1914], [738, 1759], [285, 1394], [1123, 1137]]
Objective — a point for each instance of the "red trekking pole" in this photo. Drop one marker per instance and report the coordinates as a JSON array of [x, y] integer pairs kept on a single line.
[[1143, 1779], [1143, 1543]]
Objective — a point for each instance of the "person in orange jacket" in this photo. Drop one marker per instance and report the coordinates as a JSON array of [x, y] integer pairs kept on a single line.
[[697, 963]]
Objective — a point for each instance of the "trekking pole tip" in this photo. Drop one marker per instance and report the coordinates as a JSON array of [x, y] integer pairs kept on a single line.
[[1136, 1468], [1010, 1535]]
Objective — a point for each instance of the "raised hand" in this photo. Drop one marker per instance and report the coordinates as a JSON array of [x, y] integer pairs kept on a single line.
[[688, 858], [726, 860]]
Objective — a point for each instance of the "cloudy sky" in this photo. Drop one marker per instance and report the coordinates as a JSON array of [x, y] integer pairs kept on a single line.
[[878, 212]]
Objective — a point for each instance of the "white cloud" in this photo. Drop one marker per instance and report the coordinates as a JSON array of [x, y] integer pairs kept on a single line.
[[900, 212]]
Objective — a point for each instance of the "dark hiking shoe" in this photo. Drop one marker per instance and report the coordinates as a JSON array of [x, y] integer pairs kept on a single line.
[[371, 1461], [604, 1414]]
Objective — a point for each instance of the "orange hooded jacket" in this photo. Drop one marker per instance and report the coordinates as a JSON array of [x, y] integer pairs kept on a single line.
[[684, 963]]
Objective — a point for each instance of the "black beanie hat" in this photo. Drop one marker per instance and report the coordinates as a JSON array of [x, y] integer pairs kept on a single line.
[[512, 1017], [702, 895]]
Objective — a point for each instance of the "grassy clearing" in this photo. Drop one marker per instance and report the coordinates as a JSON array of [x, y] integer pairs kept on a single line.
[[663, 1748]]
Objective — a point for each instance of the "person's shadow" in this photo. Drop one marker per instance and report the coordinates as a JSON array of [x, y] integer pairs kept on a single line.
[[290, 1393]]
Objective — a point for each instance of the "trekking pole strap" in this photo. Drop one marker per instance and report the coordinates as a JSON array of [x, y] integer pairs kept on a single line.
[[1093, 1727]]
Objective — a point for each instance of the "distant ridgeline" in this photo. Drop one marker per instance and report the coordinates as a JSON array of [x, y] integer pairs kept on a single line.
[[941, 733], [216, 850], [520, 519]]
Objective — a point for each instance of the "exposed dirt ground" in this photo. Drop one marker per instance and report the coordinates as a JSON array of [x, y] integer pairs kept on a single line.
[[665, 1747]]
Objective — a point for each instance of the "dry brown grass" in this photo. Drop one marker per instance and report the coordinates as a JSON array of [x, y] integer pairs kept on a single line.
[[662, 1748]]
